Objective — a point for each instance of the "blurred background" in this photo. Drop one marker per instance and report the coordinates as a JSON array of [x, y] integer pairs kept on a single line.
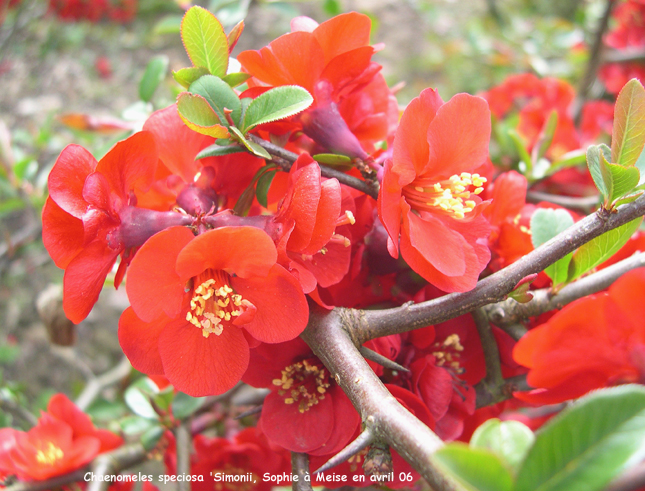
[[90, 71]]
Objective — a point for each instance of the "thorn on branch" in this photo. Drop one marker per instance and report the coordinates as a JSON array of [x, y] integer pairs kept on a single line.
[[249, 412], [371, 355], [364, 440]]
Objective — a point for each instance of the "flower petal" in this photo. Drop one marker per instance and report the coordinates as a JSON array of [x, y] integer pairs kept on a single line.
[[67, 178], [140, 341]]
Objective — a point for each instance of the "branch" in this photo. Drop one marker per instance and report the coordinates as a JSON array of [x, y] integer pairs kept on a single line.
[[300, 468], [624, 55], [370, 188], [510, 312], [184, 446], [381, 413], [584, 203], [97, 384], [493, 378], [17, 411], [371, 324]]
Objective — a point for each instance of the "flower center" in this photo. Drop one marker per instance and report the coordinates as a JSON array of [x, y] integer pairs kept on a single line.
[[213, 303], [451, 196], [448, 353], [49, 454], [303, 383]]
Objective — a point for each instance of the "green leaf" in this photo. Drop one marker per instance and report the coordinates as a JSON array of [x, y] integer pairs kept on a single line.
[[546, 224], [252, 147], [341, 162], [199, 116], [588, 444], [476, 469], [237, 78], [598, 250], [332, 7], [277, 103], [597, 158], [628, 136], [569, 159], [135, 425], [138, 395], [187, 76], [262, 187], [233, 36], [546, 136], [216, 150], [219, 95], [170, 24], [509, 440], [520, 147], [184, 405], [623, 180], [153, 76], [205, 41]]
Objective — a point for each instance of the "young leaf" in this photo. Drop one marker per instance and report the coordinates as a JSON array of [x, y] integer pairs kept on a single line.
[[263, 185], [252, 147], [198, 115], [274, 104], [234, 35], [152, 77], [509, 440], [546, 224], [628, 137], [597, 157], [341, 162], [598, 250], [520, 147], [546, 136], [187, 76], [237, 78], [219, 95], [476, 469], [588, 444], [216, 150], [205, 41], [623, 180]]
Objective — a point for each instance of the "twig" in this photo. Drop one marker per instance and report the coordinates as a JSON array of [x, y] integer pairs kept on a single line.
[[624, 55], [493, 379], [510, 312], [632, 480], [594, 61], [184, 448], [300, 468], [380, 412], [97, 384], [371, 355], [18, 411], [49, 484], [371, 324], [363, 441], [370, 188], [249, 412], [585, 203], [487, 395]]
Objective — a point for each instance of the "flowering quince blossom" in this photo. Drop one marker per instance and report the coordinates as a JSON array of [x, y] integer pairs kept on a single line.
[[609, 325], [91, 216], [63, 440], [353, 107], [198, 302], [429, 194]]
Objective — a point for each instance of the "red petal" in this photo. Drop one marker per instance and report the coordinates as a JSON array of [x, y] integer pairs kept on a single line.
[[67, 178], [245, 251], [282, 310], [62, 234], [285, 425], [84, 279], [62, 408], [140, 341], [327, 213], [433, 384], [343, 33], [458, 136], [268, 360], [346, 422], [202, 366], [153, 284]]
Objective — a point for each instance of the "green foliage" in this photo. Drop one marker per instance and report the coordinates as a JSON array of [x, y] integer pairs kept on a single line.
[[205, 41], [220, 96], [628, 137], [199, 116], [546, 224], [509, 440], [184, 405], [477, 469], [277, 103], [155, 73]]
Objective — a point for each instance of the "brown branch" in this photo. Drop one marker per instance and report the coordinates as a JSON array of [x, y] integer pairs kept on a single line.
[[624, 55], [17, 411], [509, 312], [184, 447], [493, 378], [286, 158], [380, 412], [300, 468], [584, 203], [488, 395], [371, 324], [97, 384]]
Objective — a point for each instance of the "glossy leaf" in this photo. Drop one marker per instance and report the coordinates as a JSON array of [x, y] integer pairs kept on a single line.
[[628, 137], [199, 116], [237, 78], [216, 150], [597, 158], [252, 147], [277, 103], [598, 250], [184, 405], [262, 187], [475, 468], [341, 162], [546, 224], [205, 41], [234, 35], [187, 76], [152, 77], [623, 180], [509, 440], [138, 395], [219, 95], [588, 444]]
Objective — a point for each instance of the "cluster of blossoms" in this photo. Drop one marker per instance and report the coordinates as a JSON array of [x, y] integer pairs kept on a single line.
[[224, 265], [94, 10]]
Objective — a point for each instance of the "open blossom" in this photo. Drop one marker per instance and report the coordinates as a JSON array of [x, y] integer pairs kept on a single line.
[[91, 216], [594, 342], [429, 194], [63, 440], [353, 107], [198, 302]]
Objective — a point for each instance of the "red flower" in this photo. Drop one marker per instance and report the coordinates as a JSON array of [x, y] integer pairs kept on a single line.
[[63, 440], [197, 303], [353, 107], [609, 326], [429, 191], [91, 217], [306, 411]]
